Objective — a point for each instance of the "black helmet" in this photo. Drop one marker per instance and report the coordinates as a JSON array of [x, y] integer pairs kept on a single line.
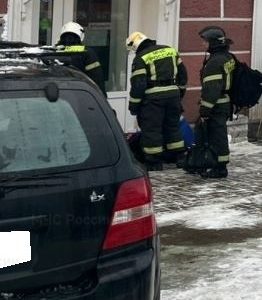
[[213, 33]]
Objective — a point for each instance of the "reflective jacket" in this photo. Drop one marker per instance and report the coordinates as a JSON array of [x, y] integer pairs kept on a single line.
[[86, 60], [216, 80], [157, 72]]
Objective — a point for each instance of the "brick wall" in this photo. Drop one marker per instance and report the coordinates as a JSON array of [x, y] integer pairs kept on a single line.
[[3, 6], [3, 11], [234, 16]]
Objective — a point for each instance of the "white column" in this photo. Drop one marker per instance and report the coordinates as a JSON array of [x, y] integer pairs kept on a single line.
[[168, 22], [63, 12], [256, 58], [14, 20], [23, 20], [30, 21]]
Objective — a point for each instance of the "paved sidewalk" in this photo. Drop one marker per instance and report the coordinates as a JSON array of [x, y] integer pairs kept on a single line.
[[211, 230], [175, 190]]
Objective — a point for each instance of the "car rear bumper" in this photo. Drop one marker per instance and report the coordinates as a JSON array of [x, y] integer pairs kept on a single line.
[[135, 278]]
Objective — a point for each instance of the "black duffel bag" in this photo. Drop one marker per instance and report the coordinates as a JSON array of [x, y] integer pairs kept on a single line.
[[201, 156]]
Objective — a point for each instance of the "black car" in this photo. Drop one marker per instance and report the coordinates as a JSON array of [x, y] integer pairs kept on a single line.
[[68, 179]]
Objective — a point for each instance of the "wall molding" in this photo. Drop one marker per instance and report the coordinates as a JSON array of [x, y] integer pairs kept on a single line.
[[216, 19], [203, 53]]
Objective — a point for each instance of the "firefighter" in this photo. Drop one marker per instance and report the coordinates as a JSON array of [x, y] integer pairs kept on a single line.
[[158, 81], [215, 107], [71, 41]]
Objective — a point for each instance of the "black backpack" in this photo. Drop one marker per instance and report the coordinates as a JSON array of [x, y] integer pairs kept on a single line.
[[246, 86]]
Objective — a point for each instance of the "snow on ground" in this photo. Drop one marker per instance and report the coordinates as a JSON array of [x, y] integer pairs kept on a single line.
[[230, 272], [199, 203], [220, 214], [211, 230], [244, 148]]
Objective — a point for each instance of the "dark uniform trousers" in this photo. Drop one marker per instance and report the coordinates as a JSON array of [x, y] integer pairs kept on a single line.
[[217, 132], [156, 137], [218, 139]]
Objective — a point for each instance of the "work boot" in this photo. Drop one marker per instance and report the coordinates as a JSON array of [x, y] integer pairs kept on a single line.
[[169, 157], [195, 170], [154, 166], [215, 173]]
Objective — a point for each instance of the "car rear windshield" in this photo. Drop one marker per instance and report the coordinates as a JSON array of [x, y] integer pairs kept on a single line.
[[71, 133]]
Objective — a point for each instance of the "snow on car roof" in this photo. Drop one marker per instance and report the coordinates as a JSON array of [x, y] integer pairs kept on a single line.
[[21, 58], [9, 65], [23, 50], [15, 59]]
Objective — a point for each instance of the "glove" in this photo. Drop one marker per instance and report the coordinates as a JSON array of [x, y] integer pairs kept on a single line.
[[204, 112], [134, 109], [133, 112]]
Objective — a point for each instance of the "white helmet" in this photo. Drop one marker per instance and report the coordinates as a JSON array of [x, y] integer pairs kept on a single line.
[[134, 40], [74, 28]]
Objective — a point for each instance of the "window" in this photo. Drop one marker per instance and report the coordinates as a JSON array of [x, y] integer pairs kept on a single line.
[[45, 22], [36, 134], [106, 29]]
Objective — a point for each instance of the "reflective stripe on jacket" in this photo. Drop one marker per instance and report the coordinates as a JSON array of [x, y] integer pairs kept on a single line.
[[86, 60], [81, 48], [157, 72], [217, 79]]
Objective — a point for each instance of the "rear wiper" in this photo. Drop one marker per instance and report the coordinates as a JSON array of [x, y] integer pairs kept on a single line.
[[19, 177], [8, 188]]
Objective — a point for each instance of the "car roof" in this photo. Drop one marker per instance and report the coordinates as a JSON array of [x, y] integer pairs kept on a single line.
[[18, 59], [30, 68]]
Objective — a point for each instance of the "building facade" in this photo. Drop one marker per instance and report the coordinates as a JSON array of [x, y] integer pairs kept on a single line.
[[3, 12], [108, 22]]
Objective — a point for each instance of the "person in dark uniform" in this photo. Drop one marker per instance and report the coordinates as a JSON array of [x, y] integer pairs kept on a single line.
[[215, 107], [158, 81], [83, 58]]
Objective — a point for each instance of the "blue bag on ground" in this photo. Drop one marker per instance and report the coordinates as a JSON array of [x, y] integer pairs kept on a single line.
[[187, 133]]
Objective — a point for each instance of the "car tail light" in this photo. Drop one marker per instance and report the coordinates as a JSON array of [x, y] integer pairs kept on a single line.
[[133, 216]]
